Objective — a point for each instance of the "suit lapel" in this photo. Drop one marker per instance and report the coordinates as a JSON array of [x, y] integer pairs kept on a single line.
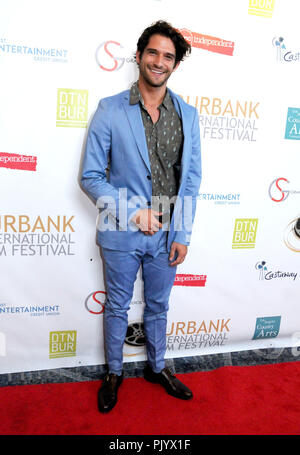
[[136, 124]]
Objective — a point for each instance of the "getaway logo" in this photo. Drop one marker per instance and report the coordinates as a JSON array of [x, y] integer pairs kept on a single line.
[[226, 119], [276, 193], [18, 162], [264, 275], [38, 54], [208, 43], [282, 54], [263, 8], [292, 129], [110, 56], [267, 327]]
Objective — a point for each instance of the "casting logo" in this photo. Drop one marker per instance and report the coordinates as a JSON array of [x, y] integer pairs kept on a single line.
[[268, 276], [62, 344], [244, 234], [292, 129], [283, 193], [282, 55], [72, 108], [197, 334], [209, 43], [226, 119], [183, 279], [24, 235], [19, 162], [292, 235], [39, 54], [220, 198], [2, 345], [106, 58], [262, 8], [267, 327], [95, 302]]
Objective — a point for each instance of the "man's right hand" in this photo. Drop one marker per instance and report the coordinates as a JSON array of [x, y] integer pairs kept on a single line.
[[146, 220]]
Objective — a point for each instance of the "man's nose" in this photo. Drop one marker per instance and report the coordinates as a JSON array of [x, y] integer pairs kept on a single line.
[[158, 60]]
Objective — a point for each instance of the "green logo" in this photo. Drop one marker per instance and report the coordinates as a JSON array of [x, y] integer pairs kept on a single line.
[[244, 234], [62, 344], [72, 108]]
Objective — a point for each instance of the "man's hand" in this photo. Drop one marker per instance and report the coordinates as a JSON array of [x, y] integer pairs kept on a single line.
[[181, 251], [146, 221]]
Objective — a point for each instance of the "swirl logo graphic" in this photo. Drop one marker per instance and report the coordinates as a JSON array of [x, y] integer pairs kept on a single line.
[[272, 188], [95, 302], [109, 61]]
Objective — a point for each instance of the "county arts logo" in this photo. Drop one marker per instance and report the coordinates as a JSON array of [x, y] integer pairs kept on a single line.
[[276, 191], [292, 129], [292, 235], [183, 279], [264, 274], [27, 235], [282, 54], [267, 327], [110, 56], [263, 8], [19, 162], [226, 119], [38, 54], [209, 43]]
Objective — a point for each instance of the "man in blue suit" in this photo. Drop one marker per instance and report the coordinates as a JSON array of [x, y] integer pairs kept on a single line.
[[142, 166]]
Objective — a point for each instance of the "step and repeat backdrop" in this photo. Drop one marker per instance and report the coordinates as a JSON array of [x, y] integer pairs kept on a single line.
[[239, 286]]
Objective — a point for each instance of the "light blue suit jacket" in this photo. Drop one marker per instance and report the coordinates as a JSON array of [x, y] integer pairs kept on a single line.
[[116, 139]]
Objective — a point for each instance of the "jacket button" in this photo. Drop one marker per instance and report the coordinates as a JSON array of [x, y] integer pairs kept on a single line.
[[149, 177]]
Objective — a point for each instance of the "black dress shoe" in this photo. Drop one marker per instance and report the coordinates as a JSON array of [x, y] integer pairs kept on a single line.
[[171, 384], [108, 392]]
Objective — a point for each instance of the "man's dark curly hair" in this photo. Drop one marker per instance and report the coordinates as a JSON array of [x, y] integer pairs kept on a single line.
[[182, 47]]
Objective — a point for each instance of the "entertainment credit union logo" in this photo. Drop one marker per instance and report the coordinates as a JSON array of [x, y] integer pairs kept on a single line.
[[276, 193], [72, 108], [244, 234], [220, 198], [267, 327], [183, 279], [292, 129], [262, 8], [19, 162], [110, 56], [209, 43], [39, 54], [292, 235], [62, 344]]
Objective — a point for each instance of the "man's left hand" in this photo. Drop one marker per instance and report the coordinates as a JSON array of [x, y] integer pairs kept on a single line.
[[181, 251]]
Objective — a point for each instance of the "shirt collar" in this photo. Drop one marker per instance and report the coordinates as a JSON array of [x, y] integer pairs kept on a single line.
[[135, 97]]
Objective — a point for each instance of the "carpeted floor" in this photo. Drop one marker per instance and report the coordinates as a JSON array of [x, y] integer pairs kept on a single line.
[[248, 400]]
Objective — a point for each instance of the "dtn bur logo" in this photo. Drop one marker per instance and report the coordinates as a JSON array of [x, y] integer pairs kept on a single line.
[[72, 108], [244, 234], [62, 344]]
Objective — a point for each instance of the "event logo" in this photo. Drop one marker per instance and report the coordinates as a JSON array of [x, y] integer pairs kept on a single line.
[[24, 235], [39, 54], [292, 129], [32, 310], [183, 279], [106, 56], [62, 344], [282, 54], [276, 193], [95, 302], [72, 108], [226, 119], [267, 327], [197, 334], [244, 234], [2, 345], [20, 162], [292, 235], [209, 43], [262, 8], [268, 276], [220, 198]]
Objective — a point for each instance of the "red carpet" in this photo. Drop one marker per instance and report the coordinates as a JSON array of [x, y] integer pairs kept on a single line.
[[249, 400]]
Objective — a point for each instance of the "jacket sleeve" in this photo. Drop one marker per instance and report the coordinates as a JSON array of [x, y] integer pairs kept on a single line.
[[187, 208]]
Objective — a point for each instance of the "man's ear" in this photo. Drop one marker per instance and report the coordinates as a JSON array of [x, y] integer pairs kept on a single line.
[[176, 66], [138, 57]]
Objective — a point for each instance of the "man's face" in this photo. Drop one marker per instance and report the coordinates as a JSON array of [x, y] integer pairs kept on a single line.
[[157, 62]]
